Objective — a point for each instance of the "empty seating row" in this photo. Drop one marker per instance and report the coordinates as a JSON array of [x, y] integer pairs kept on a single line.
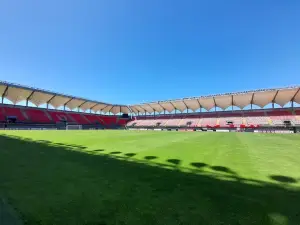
[[31, 115], [262, 118]]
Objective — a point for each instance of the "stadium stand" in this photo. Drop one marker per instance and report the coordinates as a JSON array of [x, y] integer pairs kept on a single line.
[[154, 112], [79, 118], [37, 116], [209, 120], [15, 111], [256, 118], [171, 120], [2, 114], [190, 121], [93, 119], [59, 116]]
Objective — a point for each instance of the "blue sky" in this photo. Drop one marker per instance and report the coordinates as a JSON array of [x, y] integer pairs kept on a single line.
[[134, 51]]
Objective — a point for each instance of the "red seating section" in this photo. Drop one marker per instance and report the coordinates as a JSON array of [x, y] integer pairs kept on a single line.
[[37, 116], [2, 114], [109, 120], [220, 119], [79, 118], [122, 122], [94, 119], [269, 117], [59, 116], [10, 111]]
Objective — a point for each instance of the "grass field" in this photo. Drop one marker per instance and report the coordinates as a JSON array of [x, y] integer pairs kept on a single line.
[[147, 178]]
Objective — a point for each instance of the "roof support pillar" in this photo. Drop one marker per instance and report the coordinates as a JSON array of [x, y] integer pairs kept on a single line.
[[81, 105], [93, 107], [293, 98], [252, 101], [200, 106], [50, 101], [187, 108], [273, 101], [215, 104], [4, 94], [29, 97], [67, 103]]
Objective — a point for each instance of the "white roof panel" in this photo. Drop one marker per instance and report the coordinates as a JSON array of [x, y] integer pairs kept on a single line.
[[15, 94], [147, 107], [139, 108], [297, 97], [223, 101], [74, 103], [87, 105], [38, 98], [264, 97], [125, 109], [99, 107], [167, 106], [133, 108], [2, 89], [156, 107], [180, 105], [115, 110], [58, 101], [285, 96], [192, 104], [242, 100], [207, 103], [107, 109]]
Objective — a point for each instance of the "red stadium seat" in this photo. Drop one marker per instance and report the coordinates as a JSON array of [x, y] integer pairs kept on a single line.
[[37, 116], [2, 114], [79, 118], [14, 111], [59, 116]]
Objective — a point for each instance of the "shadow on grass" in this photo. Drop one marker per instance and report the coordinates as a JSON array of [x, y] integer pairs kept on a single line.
[[115, 153], [222, 169], [150, 157], [175, 162], [199, 165], [130, 154], [52, 184], [283, 179], [99, 150]]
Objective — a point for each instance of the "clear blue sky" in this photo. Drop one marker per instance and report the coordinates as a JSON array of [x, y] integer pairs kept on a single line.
[[147, 50]]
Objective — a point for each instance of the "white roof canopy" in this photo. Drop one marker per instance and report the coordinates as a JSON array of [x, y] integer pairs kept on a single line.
[[281, 96], [18, 93], [261, 98]]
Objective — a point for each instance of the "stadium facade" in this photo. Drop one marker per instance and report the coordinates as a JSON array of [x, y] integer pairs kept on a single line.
[[196, 113]]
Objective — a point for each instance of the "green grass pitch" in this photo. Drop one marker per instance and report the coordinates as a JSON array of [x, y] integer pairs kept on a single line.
[[147, 178]]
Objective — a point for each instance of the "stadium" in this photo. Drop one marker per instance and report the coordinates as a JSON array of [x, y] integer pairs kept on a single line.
[[70, 160], [149, 112], [251, 112]]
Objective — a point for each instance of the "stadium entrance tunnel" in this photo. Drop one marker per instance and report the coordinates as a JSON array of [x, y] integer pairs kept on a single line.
[[53, 184]]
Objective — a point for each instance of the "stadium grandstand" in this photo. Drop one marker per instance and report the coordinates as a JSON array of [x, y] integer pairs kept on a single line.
[[74, 110], [241, 111]]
